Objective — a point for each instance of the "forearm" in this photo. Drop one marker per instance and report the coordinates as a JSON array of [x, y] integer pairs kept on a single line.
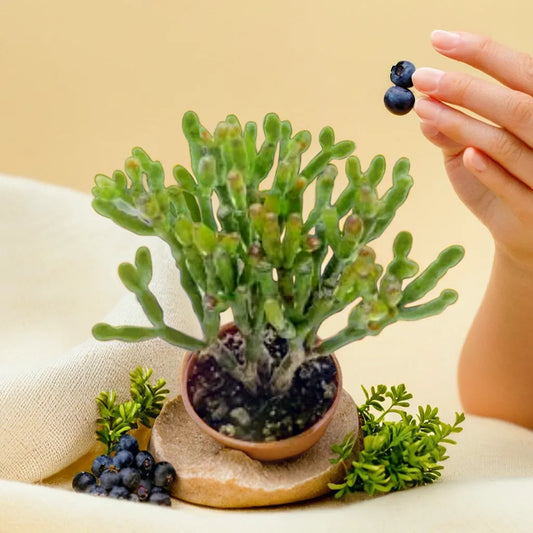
[[496, 364]]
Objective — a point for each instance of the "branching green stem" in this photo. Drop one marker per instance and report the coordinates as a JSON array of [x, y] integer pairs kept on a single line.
[[256, 255]]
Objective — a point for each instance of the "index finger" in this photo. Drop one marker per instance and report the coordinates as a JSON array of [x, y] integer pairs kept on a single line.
[[512, 68]]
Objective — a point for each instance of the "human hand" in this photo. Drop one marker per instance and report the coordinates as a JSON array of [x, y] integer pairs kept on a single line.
[[490, 165]]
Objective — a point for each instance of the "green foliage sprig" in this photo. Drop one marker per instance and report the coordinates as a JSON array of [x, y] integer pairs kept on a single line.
[[397, 454], [150, 398], [117, 419]]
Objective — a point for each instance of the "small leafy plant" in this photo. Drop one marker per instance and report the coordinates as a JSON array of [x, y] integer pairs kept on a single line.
[[242, 246], [397, 454], [117, 419], [126, 472]]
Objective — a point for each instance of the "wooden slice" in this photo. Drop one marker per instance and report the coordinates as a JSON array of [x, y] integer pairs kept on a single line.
[[209, 474]]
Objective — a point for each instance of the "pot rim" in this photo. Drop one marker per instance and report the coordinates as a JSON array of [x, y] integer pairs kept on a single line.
[[260, 449]]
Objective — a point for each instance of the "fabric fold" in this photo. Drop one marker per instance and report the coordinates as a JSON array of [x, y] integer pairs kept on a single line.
[[47, 401]]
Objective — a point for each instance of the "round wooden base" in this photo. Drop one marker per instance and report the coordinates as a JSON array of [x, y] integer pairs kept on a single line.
[[211, 475]]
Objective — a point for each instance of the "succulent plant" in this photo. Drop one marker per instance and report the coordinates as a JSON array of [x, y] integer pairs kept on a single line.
[[250, 249]]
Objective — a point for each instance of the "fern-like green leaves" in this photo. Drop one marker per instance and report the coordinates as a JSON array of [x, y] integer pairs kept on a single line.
[[117, 419], [397, 454], [150, 398]]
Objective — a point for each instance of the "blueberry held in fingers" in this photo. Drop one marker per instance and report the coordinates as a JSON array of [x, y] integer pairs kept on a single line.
[[401, 74], [399, 100]]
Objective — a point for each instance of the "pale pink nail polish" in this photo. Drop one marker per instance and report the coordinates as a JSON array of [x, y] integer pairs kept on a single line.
[[426, 108], [445, 40], [428, 129], [427, 79]]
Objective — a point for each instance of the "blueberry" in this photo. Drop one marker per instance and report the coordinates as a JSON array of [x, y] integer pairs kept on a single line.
[[160, 498], [83, 481], [399, 100], [143, 491], [164, 475], [156, 490], [130, 478], [129, 443], [122, 459], [133, 497], [120, 493], [401, 74], [109, 478], [96, 490], [101, 463], [145, 463]]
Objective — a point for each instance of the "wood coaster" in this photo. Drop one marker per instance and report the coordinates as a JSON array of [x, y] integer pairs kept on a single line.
[[209, 474]]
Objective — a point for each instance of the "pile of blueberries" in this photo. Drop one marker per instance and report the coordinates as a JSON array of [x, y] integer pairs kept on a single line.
[[399, 99], [129, 475]]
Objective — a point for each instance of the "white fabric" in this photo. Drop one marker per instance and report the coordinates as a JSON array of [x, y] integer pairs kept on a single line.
[[58, 263], [497, 505], [59, 277]]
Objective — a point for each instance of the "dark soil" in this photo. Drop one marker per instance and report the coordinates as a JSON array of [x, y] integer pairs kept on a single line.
[[224, 403]]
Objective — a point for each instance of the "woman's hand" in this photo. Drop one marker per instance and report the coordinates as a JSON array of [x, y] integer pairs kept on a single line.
[[489, 159], [490, 165]]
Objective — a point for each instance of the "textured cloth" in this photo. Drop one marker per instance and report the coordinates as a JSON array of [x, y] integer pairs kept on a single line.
[[58, 278], [495, 506]]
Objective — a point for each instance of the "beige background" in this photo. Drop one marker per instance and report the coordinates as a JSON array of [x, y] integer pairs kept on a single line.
[[81, 83]]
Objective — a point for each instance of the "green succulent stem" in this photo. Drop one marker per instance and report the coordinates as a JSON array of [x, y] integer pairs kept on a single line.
[[345, 336], [284, 373], [104, 332], [257, 256]]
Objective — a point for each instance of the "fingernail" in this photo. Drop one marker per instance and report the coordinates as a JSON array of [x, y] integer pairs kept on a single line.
[[428, 129], [427, 79], [477, 161], [445, 40], [426, 108]]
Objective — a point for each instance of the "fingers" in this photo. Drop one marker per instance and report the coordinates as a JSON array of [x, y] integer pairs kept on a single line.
[[474, 194], [511, 153], [490, 165], [512, 68], [448, 147], [478, 180], [511, 191], [509, 108]]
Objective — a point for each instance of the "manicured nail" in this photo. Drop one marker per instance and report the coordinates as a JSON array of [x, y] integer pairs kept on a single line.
[[427, 79], [426, 108], [445, 40], [428, 129]]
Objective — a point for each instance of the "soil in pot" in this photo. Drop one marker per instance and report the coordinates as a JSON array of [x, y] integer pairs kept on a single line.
[[228, 407]]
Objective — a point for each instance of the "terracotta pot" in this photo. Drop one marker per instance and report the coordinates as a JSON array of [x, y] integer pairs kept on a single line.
[[262, 451]]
